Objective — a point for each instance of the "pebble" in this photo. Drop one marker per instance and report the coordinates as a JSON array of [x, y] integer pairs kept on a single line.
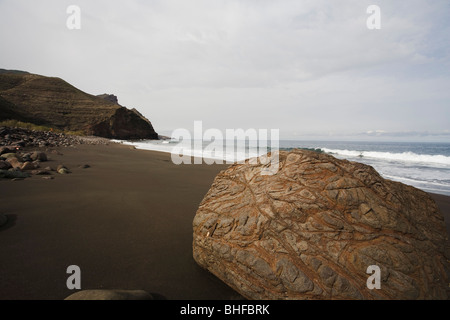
[[12, 140], [62, 169], [18, 137], [3, 220]]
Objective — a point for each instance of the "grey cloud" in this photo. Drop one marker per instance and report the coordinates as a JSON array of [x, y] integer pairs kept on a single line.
[[301, 66]]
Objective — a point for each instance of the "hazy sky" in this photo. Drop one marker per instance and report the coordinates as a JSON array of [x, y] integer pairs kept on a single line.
[[309, 68]]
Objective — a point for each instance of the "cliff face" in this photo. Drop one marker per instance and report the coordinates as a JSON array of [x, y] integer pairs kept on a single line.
[[55, 103], [124, 124], [109, 97]]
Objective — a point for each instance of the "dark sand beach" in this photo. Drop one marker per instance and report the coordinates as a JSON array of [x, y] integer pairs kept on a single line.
[[126, 222]]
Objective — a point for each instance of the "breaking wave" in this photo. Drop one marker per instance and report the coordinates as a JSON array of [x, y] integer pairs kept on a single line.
[[405, 156]]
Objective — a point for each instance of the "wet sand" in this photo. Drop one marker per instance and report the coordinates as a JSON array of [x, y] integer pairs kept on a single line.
[[126, 222]]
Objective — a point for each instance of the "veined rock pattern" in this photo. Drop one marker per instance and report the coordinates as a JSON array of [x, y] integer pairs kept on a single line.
[[312, 230]]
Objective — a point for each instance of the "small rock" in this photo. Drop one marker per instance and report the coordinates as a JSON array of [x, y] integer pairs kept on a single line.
[[26, 157], [4, 165], [13, 174], [62, 169], [48, 178], [3, 220], [85, 166], [40, 173], [4, 150], [12, 155], [48, 169], [39, 155], [16, 164], [110, 295], [28, 166], [20, 144]]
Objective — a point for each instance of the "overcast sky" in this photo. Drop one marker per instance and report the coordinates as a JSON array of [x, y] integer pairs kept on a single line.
[[309, 68]]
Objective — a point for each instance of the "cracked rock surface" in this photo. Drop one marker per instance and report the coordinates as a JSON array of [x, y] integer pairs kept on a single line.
[[312, 230]]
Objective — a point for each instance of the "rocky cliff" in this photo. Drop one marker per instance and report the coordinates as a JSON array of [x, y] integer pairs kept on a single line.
[[55, 103]]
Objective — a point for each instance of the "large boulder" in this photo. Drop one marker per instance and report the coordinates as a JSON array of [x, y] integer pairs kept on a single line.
[[110, 295], [314, 229]]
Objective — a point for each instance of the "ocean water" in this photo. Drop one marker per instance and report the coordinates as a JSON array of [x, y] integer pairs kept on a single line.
[[423, 165]]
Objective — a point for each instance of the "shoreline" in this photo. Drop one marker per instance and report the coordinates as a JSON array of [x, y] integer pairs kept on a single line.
[[126, 221], [423, 185]]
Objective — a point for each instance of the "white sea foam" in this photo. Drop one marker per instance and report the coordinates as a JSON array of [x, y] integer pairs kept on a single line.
[[427, 172], [415, 181], [188, 149], [405, 156]]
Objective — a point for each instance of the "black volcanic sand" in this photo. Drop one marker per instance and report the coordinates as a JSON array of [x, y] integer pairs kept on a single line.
[[444, 204], [126, 222]]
